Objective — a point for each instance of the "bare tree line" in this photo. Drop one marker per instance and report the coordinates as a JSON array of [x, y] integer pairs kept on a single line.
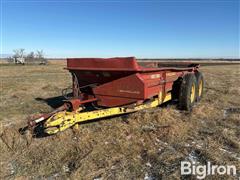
[[21, 57]]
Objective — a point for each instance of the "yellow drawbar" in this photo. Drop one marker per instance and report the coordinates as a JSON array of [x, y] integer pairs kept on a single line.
[[63, 120]]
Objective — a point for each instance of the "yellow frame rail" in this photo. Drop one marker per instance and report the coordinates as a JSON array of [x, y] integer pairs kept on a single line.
[[63, 120]]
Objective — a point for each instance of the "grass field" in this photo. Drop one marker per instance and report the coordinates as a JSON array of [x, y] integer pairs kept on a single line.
[[145, 144]]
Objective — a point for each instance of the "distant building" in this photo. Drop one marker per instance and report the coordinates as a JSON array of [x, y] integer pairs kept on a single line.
[[19, 60]]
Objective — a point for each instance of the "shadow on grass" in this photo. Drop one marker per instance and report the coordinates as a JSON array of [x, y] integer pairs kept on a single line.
[[36, 132], [53, 102]]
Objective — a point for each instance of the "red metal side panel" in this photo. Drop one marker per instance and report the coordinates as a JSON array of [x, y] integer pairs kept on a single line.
[[153, 83], [130, 89], [122, 91]]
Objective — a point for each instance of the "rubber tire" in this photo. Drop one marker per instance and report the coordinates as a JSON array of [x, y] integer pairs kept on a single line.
[[199, 77], [175, 89], [185, 92]]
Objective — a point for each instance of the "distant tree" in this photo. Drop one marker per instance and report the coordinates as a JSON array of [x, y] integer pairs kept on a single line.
[[19, 56], [31, 55], [19, 53], [39, 54], [10, 59]]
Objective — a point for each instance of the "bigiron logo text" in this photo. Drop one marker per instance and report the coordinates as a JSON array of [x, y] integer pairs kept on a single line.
[[202, 171]]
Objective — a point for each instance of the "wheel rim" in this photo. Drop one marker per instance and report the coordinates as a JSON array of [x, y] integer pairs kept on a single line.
[[192, 93], [200, 88]]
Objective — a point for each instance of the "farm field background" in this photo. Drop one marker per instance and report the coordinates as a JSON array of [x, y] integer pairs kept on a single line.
[[149, 143]]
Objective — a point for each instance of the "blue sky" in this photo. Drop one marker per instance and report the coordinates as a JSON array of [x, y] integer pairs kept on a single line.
[[145, 29]]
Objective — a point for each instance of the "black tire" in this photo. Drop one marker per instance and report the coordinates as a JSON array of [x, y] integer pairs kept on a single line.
[[175, 89], [200, 86], [187, 94]]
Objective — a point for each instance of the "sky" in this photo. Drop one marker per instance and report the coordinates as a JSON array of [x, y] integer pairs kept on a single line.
[[144, 29]]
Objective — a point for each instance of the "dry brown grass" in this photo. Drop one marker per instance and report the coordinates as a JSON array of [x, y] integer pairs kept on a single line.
[[149, 142]]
